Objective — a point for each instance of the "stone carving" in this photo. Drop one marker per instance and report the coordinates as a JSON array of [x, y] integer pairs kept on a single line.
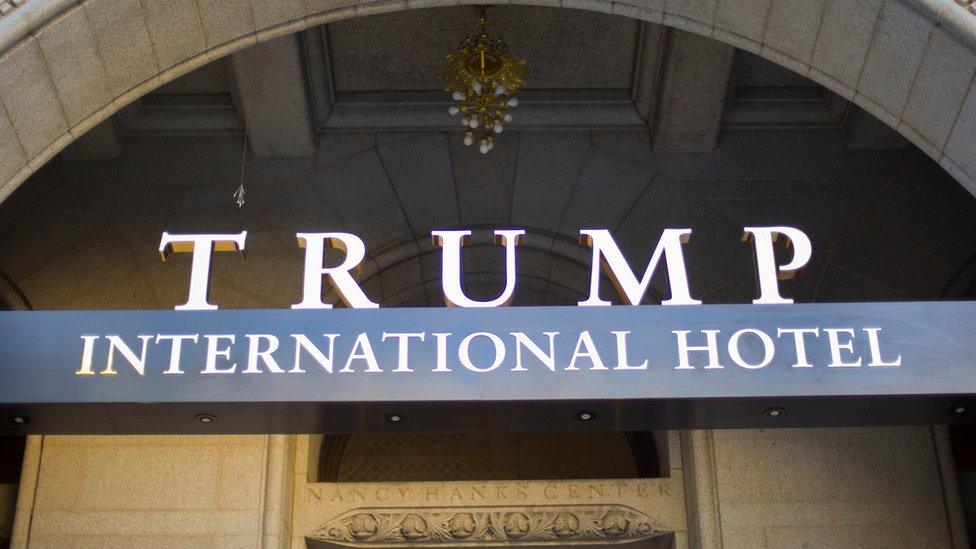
[[7, 6], [466, 526], [515, 525], [614, 524], [565, 524], [362, 526], [413, 527], [461, 525]]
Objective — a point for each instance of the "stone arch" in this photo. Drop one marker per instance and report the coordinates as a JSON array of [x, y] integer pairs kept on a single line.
[[66, 65]]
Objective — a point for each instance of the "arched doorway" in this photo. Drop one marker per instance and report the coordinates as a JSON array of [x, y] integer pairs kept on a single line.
[[360, 182]]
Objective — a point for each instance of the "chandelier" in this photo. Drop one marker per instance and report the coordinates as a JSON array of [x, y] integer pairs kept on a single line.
[[483, 78]]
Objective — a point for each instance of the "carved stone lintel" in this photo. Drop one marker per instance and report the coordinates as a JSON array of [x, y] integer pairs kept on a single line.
[[466, 526]]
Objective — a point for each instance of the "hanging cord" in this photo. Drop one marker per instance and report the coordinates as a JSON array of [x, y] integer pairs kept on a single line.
[[239, 193]]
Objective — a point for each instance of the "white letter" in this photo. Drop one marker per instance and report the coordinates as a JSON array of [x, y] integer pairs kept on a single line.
[[836, 347], [403, 348], [202, 246], [302, 342], [451, 242], [441, 351], [340, 279], [586, 341], [362, 350], [799, 343], [630, 289], [213, 353], [876, 359], [175, 350], [86, 356], [766, 270], [622, 354], [253, 354], [769, 350], [465, 357], [522, 340], [711, 337], [138, 362]]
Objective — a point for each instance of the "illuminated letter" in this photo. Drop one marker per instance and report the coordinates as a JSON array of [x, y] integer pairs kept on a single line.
[[799, 343], [138, 362], [177, 348], [769, 349], [441, 338], [403, 348], [876, 359], [522, 340], [362, 350], [253, 354], [622, 354], [465, 357], [302, 342], [213, 352], [766, 269], [630, 289], [202, 246], [711, 337], [836, 347], [86, 356], [451, 242], [586, 341], [343, 282]]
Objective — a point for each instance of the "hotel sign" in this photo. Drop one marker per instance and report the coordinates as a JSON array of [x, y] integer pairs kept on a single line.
[[479, 366]]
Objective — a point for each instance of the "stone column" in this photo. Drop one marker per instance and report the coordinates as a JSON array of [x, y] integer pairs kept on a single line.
[[278, 485], [701, 489], [20, 535]]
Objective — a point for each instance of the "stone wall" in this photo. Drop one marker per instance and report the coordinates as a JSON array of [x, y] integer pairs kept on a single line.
[[847, 488], [149, 491], [856, 487]]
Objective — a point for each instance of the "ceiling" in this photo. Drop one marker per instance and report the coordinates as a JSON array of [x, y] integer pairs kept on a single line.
[[586, 70], [565, 49]]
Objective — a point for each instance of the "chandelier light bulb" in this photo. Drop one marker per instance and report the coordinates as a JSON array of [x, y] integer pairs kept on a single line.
[[468, 138], [497, 127], [476, 87], [457, 95], [453, 111], [499, 90], [473, 123], [513, 102], [484, 148], [508, 118]]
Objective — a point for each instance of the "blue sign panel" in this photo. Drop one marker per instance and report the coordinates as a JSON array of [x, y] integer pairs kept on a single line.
[[346, 370]]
